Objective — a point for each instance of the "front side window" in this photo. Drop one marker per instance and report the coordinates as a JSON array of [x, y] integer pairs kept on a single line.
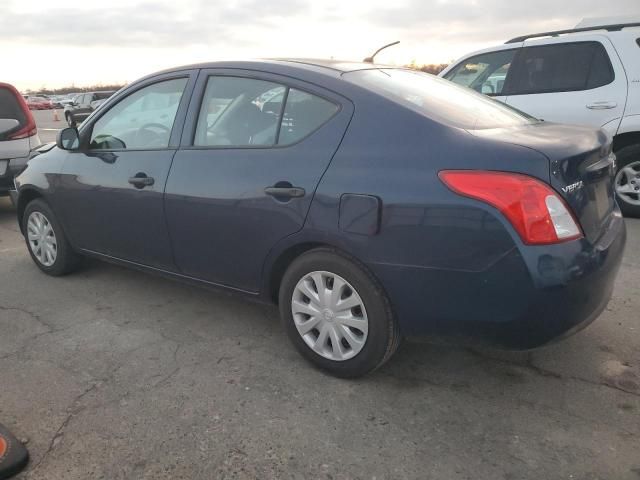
[[244, 112], [142, 120], [562, 68], [485, 73]]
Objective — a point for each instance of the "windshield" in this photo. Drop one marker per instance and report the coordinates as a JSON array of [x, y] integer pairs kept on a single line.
[[439, 99]]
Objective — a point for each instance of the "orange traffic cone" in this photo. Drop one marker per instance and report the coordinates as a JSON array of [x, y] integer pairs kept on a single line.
[[56, 118]]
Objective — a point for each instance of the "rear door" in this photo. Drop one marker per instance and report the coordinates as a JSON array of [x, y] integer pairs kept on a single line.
[[580, 83], [254, 149], [111, 190]]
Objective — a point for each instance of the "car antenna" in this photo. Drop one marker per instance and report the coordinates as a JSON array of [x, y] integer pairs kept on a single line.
[[370, 59]]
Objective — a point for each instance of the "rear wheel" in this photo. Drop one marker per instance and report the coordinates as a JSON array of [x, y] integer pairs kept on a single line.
[[627, 181], [336, 314], [46, 241]]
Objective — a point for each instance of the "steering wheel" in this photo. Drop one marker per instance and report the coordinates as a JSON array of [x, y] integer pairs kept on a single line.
[[152, 137]]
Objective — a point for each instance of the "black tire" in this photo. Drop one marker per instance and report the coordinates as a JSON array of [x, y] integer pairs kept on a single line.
[[66, 260], [70, 120], [383, 336], [626, 156]]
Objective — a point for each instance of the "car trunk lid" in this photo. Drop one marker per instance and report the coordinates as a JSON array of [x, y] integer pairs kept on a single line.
[[581, 167]]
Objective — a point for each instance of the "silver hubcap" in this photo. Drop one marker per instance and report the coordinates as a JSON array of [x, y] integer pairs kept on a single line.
[[42, 239], [628, 183], [330, 315]]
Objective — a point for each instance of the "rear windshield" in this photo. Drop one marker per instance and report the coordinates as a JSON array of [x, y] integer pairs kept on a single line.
[[439, 99], [9, 106]]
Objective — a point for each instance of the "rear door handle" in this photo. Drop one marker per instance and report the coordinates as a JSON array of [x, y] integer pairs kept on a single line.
[[285, 192], [602, 105], [141, 180]]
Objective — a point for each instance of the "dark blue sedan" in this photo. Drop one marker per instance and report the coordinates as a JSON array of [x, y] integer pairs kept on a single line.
[[370, 203]]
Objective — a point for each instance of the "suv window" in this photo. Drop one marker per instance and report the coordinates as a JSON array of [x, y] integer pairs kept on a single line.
[[561, 68], [102, 95], [485, 73], [142, 120], [242, 112]]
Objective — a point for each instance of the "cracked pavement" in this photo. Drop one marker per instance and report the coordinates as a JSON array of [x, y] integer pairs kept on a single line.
[[114, 374]]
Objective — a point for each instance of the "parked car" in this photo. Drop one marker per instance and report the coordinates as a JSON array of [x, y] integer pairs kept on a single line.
[[18, 135], [39, 103], [586, 76], [367, 201], [59, 101], [83, 105]]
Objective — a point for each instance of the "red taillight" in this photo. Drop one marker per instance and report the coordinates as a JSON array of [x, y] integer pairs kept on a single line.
[[29, 127], [534, 209]]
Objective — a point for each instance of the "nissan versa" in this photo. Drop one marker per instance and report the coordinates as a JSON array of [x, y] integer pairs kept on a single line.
[[370, 203]]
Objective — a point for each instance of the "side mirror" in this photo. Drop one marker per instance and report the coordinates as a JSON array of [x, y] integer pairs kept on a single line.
[[8, 124], [68, 139]]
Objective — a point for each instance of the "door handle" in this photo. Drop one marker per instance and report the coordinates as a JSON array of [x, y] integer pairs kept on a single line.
[[140, 180], [285, 192], [602, 105]]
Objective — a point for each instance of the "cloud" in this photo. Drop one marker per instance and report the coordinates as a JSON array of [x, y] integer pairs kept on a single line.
[[486, 20], [146, 24]]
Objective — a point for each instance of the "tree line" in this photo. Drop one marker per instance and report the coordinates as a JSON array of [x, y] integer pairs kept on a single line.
[[73, 89]]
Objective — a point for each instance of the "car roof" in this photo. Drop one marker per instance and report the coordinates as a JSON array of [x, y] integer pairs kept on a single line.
[[329, 67]]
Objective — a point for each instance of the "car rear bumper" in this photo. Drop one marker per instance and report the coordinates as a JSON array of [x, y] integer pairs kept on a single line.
[[528, 298]]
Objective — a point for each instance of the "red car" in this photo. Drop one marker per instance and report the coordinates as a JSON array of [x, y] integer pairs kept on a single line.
[[39, 103]]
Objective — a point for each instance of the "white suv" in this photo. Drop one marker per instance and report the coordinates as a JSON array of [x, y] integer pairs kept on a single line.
[[588, 76], [18, 135]]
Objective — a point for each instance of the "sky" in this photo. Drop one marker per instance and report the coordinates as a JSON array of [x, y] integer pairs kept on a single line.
[[54, 43]]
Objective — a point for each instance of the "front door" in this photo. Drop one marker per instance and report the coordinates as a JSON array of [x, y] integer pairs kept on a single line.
[[247, 171], [111, 190]]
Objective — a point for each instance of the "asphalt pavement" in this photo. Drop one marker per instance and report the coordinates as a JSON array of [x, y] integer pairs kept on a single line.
[[47, 125], [115, 374]]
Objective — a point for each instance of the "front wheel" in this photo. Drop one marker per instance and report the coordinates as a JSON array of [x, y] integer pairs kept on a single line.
[[336, 314], [627, 182], [46, 241]]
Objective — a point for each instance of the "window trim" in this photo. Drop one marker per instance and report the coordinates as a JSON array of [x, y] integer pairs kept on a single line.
[[506, 78], [206, 73], [87, 128], [517, 63]]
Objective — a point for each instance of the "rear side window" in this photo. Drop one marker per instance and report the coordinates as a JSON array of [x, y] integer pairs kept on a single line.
[[303, 113], [9, 106], [486, 73], [561, 68], [244, 112]]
